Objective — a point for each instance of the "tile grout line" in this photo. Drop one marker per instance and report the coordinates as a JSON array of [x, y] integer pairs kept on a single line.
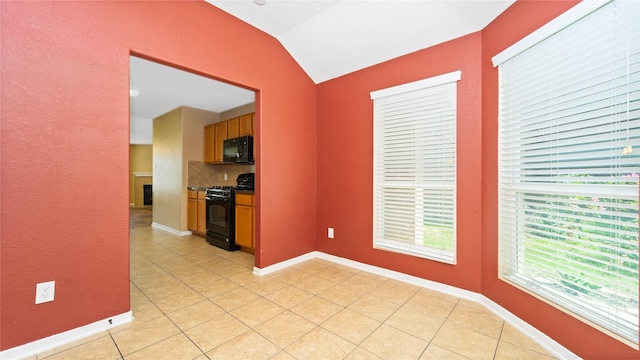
[[165, 314], [495, 352]]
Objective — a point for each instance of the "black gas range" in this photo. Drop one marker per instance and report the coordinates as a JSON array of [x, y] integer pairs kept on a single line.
[[220, 212]]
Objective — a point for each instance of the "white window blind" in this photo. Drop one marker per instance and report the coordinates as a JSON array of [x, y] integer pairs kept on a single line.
[[569, 159], [414, 168]]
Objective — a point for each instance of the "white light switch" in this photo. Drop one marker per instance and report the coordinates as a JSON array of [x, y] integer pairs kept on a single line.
[[330, 233]]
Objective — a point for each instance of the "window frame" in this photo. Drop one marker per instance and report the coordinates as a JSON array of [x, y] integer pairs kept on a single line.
[[387, 244], [510, 250]]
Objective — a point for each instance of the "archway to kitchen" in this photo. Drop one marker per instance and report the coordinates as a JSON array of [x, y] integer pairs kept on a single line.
[[178, 122]]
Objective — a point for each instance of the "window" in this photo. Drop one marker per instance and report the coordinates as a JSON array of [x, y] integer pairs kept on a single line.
[[569, 159], [415, 168]]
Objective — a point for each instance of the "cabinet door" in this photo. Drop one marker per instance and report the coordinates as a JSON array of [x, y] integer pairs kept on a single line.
[[192, 214], [244, 226], [220, 136], [202, 216], [209, 143], [232, 128], [245, 125]]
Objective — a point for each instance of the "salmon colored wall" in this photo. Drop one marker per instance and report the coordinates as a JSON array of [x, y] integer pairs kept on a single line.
[[345, 163], [65, 146], [518, 21], [345, 160]]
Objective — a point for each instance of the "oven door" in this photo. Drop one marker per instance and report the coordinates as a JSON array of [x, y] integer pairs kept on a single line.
[[219, 216]]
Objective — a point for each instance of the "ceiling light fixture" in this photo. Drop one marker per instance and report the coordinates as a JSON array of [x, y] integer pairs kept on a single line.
[[134, 92], [260, 2]]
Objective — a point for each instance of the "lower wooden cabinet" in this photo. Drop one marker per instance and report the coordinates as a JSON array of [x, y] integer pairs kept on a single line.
[[202, 213], [245, 221], [196, 212]]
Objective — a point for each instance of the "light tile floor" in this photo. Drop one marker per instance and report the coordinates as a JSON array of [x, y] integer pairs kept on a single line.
[[191, 300]]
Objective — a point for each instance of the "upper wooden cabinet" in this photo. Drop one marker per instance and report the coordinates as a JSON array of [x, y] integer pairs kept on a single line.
[[216, 134], [245, 125], [221, 136], [232, 128], [209, 141]]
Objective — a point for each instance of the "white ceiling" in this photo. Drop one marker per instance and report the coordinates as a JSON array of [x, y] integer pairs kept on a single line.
[[332, 38], [163, 88], [327, 38]]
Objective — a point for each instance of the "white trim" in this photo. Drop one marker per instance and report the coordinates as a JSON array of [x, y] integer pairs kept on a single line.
[[524, 327], [433, 285], [417, 85], [284, 264], [69, 336], [156, 226], [536, 335], [567, 18], [137, 173]]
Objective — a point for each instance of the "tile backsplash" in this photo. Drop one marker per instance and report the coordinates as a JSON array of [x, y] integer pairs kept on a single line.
[[205, 175]]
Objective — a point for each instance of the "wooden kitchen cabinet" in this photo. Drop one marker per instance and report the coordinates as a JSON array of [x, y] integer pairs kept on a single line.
[[209, 143], [245, 221], [192, 210], [240, 126], [215, 135], [202, 213], [196, 212], [220, 136], [232, 128], [245, 125]]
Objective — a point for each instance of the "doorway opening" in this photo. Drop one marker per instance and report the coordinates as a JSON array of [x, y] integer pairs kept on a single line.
[[175, 166]]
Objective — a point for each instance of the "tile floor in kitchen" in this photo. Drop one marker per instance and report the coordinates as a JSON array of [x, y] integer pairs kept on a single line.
[[191, 300]]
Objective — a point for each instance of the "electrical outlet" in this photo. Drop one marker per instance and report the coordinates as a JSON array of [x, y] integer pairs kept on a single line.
[[225, 176], [330, 233], [45, 291]]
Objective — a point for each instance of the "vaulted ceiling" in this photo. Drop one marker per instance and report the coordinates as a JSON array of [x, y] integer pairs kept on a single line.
[[327, 38], [332, 38]]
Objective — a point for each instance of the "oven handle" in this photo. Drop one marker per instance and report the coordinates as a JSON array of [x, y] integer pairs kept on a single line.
[[208, 198]]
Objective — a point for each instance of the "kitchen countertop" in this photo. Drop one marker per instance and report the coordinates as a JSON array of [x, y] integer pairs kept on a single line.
[[195, 188]]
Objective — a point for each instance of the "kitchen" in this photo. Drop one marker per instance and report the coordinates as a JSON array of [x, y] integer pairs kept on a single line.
[[184, 124]]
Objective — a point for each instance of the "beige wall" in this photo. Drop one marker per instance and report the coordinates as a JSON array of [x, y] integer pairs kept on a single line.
[[193, 122], [140, 161], [240, 110], [178, 137], [167, 169]]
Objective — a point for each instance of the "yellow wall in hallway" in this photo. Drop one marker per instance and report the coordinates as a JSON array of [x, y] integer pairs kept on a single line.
[[140, 160]]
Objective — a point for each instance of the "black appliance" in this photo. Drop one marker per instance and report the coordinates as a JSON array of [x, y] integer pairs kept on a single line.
[[246, 181], [220, 215], [238, 150]]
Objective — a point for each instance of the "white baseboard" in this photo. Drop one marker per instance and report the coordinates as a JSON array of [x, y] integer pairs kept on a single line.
[[538, 336], [173, 231], [542, 339], [54, 341], [285, 264]]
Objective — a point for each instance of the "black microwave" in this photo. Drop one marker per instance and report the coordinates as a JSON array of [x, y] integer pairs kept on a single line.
[[238, 150]]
